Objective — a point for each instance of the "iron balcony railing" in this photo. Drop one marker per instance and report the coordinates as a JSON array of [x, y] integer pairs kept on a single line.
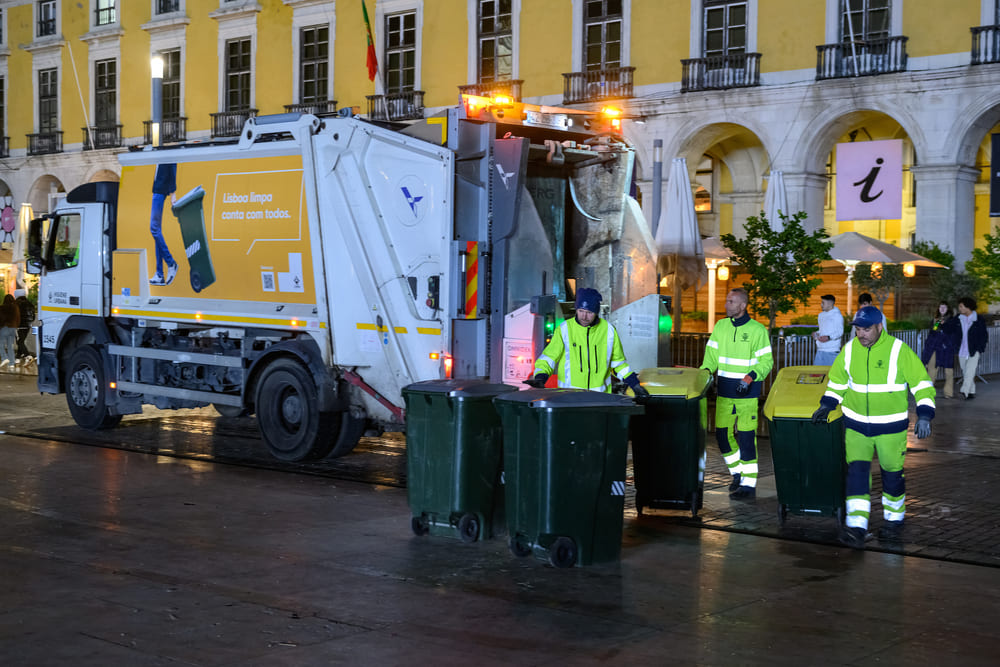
[[46, 27], [861, 58], [509, 87], [597, 85], [324, 108], [45, 143], [720, 72], [986, 44], [230, 123], [4, 146], [102, 136], [172, 130], [105, 15], [407, 105]]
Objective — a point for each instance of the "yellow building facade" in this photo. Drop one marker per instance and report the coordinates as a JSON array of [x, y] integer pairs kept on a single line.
[[740, 88]]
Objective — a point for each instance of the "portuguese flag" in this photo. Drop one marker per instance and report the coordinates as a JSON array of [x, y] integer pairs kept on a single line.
[[372, 59]]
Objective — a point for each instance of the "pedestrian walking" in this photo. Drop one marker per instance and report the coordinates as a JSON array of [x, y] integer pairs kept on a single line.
[[585, 351], [972, 338], [739, 351], [10, 318], [26, 310], [870, 379], [939, 348], [830, 331]]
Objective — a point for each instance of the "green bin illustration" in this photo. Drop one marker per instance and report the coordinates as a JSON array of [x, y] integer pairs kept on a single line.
[[191, 217]]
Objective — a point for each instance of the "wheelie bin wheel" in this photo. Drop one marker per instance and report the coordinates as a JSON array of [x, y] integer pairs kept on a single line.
[[468, 527], [518, 547], [782, 514], [562, 553], [640, 504], [419, 527], [195, 281], [841, 517]]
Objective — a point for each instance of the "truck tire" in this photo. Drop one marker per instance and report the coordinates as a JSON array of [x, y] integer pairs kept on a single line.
[[290, 421], [352, 427], [85, 386], [230, 410]]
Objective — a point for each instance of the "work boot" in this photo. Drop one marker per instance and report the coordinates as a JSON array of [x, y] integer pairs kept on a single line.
[[852, 537], [735, 484], [744, 493], [891, 531]]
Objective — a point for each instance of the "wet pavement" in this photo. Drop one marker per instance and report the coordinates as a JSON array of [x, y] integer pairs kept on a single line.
[[176, 540]]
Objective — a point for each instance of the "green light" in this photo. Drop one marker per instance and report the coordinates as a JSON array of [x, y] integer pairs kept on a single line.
[[666, 323]]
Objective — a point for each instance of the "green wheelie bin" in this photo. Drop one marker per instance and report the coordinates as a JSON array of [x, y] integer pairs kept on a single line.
[[191, 217], [668, 440], [454, 453], [809, 461], [565, 453]]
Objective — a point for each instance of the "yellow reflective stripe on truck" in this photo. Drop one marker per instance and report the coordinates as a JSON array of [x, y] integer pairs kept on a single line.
[[212, 317], [73, 311], [367, 326]]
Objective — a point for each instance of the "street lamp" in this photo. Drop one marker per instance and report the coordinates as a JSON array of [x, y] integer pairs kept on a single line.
[[156, 70]]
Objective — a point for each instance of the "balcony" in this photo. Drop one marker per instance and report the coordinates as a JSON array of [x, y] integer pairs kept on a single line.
[[102, 136], [509, 87], [324, 108], [172, 130], [597, 85], [45, 143], [861, 58], [986, 44], [738, 70], [230, 123], [408, 105], [4, 147]]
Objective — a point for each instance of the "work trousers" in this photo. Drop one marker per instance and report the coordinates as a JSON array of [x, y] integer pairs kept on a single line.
[[736, 433], [891, 450], [949, 376]]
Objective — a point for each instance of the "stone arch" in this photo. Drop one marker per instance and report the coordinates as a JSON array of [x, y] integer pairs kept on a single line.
[[100, 175], [979, 118], [40, 191], [4, 188]]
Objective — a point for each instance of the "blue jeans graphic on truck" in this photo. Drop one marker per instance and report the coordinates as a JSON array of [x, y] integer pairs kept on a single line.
[[156, 229]]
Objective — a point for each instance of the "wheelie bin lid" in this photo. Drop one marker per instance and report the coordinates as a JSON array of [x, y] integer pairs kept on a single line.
[[796, 392], [195, 193], [460, 388], [680, 382], [560, 399]]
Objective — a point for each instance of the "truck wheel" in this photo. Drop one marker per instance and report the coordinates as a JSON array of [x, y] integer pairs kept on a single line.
[[85, 384], [352, 426], [230, 410], [291, 423]]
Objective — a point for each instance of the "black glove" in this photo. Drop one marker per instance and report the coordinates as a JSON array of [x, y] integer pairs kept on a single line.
[[744, 385], [641, 395], [923, 428], [822, 412], [538, 381]]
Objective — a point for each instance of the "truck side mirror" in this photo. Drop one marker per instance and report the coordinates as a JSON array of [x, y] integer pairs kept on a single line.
[[34, 261]]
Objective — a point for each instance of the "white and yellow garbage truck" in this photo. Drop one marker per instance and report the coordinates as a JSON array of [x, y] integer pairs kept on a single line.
[[324, 264]]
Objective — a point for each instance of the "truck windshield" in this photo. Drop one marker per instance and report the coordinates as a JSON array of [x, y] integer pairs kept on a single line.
[[66, 249]]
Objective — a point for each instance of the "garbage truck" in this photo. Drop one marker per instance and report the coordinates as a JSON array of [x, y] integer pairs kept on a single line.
[[320, 265]]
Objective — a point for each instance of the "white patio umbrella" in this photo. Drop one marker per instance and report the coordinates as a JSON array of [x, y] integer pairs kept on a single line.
[[678, 241], [21, 233], [852, 248], [775, 199]]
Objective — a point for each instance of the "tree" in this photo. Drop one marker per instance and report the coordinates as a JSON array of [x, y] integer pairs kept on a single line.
[[935, 253], [950, 286], [880, 281], [780, 265], [985, 265]]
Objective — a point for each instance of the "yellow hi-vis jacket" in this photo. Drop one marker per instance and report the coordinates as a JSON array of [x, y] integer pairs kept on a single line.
[[584, 357], [735, 349], [870, 383]]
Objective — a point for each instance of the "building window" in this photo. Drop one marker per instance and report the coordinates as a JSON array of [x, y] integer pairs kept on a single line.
[[238, 74], [496, 41], [314, 47], [400, 52], [105, 13], [864, 20], [105, 93], [1, 26], [602, 34], [704, 182], [725, 28], [171, 84], [3, 105], [168, 6], [48, 101], [46, 18]]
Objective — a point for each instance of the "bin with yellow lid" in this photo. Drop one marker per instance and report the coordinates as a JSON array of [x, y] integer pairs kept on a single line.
[[668, 440], [809, 462]]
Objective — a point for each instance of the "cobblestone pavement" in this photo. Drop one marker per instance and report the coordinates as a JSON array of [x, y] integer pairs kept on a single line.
[[951, 512]]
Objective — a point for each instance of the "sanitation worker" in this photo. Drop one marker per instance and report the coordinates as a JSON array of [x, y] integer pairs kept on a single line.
[[869, 379], [585, 351], [739, 351]]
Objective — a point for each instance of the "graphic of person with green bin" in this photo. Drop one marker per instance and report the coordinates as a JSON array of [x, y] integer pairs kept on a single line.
[[191, 217]]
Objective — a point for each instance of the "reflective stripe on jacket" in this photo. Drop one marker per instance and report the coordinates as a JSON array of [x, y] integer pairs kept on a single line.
[[584, 357], [736, 350], [871, 383]]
